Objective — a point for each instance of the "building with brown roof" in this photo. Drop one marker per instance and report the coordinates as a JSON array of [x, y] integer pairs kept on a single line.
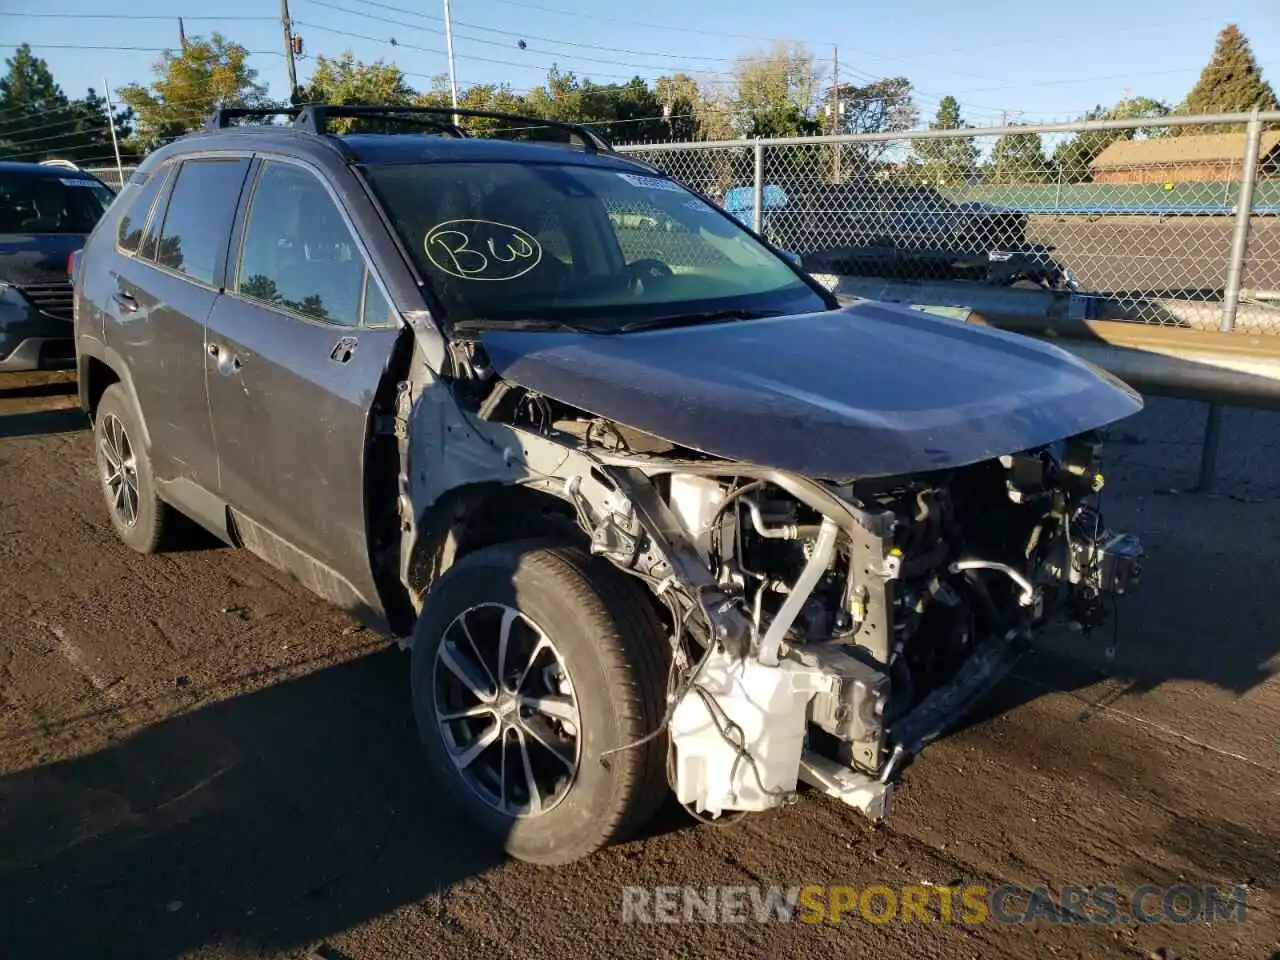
[[1203, 158]]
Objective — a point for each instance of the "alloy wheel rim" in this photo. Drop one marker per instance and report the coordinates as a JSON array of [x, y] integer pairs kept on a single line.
[[506, 710], [119, 470]]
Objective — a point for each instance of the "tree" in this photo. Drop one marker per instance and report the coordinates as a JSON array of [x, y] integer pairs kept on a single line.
[[189, 84], [1019, 158], [38, 121], [952, 160], [628, 111], [775, 92], [346, 80], [687, 113], [1230, 83], [1074, 157], [882, 106], [32, 107], [499, 98]]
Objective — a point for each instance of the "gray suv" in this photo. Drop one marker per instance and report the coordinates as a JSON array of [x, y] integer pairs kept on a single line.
[[653, 512]]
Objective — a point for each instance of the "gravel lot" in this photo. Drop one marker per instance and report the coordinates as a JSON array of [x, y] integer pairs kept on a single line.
[[198, 759]]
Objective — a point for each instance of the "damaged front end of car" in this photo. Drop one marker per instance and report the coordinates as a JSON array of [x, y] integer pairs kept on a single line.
[[824, 628]]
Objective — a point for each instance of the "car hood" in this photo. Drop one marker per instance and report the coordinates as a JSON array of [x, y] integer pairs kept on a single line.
[[869, 390], [36, 257]]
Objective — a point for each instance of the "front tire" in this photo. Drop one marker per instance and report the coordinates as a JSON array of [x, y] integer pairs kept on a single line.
[[139, 517], [529, 662]]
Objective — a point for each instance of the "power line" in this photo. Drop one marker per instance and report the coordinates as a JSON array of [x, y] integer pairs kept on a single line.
[[513, 33], [411, 46], [130, 49], [124, 16]]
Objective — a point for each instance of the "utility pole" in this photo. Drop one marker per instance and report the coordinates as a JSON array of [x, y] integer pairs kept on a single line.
[[837, 148], [286, 27], [182, 36], [448, 44]]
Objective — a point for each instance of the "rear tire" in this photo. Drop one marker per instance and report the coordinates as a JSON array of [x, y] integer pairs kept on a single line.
[[139, 517], [601, 673]]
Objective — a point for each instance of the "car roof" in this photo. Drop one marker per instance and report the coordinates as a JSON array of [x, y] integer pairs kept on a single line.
[[376, 148], [39, 170]]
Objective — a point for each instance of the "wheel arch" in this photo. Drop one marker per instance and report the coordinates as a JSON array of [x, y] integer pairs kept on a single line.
[[476, 515], [97, 368]]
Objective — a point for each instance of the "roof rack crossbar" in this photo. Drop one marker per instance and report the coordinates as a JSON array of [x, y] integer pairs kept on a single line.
[[314, 118], [222, 116]]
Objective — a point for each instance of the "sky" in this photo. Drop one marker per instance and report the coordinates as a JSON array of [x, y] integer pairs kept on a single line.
[[1002, 59]]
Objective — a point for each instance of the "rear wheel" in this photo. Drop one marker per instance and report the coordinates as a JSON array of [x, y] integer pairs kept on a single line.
[[139, 517], [529, 662]]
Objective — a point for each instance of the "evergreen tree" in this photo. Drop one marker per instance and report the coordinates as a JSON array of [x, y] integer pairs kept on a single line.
[[33, 108], [1230, 83], [950, 161], [39, 121], [1019, 158]]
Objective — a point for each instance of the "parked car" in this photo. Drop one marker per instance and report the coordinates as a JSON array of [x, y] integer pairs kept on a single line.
[[652, 511], [911, 232], [46, 211]]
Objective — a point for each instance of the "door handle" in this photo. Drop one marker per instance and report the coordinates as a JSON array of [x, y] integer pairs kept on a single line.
[[343, 349], [125, 301]]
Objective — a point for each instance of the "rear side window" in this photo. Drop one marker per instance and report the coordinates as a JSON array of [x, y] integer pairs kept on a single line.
[[38, 203], [134, 221], [298, 253], [197, 221]]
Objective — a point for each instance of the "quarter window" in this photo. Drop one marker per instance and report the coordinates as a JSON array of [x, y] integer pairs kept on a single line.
[[134, 220], [198, 219], [298, 253]]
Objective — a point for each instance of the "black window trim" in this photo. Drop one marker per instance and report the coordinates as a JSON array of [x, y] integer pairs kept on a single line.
[[163, 172], [241, 229], [220, 264]]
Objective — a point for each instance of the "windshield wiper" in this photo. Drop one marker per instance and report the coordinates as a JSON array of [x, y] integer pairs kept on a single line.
[[692, 319], [516, 323], [649, 323]]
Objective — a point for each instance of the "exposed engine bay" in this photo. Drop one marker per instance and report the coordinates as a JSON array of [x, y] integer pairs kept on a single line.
[[823, 631]]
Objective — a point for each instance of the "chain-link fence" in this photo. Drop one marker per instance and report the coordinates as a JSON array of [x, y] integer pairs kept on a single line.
[[1136, 220], [113, 177]]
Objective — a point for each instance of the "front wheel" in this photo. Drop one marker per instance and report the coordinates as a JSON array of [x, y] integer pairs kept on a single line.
[[530, 663]]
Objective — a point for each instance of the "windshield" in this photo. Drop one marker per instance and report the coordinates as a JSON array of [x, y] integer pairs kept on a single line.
[[596, 248], [44, 204]]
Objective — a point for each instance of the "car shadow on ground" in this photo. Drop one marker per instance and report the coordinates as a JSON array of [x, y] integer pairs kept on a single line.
[[33, 404], [269, 820], [33, 423], [1201, 613]]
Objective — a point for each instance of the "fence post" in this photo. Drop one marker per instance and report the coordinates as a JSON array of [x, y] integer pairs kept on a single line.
[[757, 196], [1231, 291]]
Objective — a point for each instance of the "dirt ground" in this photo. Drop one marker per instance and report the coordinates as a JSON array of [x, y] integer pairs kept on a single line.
[[198, 759]]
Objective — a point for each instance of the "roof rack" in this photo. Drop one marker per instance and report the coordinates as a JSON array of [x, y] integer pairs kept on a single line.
[[64, 164], [222, 116], [314, 118]]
